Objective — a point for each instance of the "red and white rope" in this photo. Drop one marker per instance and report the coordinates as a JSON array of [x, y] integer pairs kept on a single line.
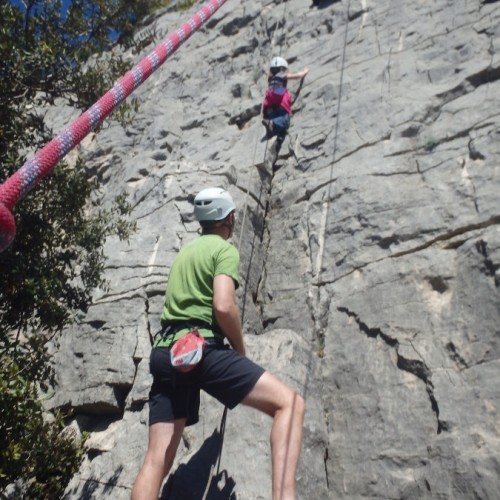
[[35, 169]]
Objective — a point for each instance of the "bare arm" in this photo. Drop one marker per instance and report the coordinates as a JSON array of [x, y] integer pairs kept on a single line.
[[299, 75], [227, 312]]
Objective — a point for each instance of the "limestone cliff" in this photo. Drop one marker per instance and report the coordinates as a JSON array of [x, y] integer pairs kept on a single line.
[[370, 249]]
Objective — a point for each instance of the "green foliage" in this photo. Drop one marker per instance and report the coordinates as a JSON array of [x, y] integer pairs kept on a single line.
[[56, 260], [185, 4], [41, 454], [44, 55]]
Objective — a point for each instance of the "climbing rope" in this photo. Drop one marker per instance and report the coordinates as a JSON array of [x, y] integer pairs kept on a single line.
[[222, 430], [224, 416], [245, 207], [35, 169], [222, 427], [256, 144], [319, 261], [283, 32]]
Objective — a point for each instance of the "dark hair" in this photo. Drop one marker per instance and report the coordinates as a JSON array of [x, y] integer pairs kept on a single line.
[[208, 224], [275, 71]]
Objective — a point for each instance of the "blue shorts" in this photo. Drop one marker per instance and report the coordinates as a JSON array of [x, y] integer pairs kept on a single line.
[[223, 373], [281, 121]]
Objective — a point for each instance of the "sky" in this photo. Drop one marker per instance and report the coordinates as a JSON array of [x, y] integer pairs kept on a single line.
[[21, 3], [64, 7]]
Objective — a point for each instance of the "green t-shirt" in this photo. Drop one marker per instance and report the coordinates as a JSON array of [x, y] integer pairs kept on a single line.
[[190, 288]]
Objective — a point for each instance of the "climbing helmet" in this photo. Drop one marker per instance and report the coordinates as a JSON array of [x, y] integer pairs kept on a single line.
[[278, 62], [213, 204]]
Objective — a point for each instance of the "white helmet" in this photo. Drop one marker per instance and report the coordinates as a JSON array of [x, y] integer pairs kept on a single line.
[[278, 62], [213, 204]]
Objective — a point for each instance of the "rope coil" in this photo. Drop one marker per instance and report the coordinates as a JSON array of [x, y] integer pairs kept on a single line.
[[34, 170]]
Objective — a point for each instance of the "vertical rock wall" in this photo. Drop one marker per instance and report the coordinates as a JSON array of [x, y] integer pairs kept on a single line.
[[370, 249]]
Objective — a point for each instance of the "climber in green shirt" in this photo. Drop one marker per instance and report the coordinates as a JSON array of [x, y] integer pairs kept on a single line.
[[201, 296]]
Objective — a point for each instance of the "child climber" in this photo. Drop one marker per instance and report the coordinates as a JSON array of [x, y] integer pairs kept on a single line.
[[277, 106]]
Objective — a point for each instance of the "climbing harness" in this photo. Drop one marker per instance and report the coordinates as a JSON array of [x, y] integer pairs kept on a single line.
[[35, 169], [277, 95]]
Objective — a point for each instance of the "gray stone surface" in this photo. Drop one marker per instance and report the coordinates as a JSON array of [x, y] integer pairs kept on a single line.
[[370, 249]]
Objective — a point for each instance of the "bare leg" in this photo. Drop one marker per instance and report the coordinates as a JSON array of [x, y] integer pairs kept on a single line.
[[164, 438], [287, 408]]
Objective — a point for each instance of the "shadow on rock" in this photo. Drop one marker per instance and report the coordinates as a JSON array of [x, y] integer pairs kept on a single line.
[[190, 480], [92, 486], [323, 4]]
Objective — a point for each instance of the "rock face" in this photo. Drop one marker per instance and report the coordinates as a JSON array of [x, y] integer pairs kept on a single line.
[[370, 250]]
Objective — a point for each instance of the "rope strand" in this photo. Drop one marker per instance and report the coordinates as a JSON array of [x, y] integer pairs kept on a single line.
[[339, 99], [245, 207], [35, 169]]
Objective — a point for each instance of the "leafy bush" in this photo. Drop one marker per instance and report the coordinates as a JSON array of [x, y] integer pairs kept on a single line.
[[40, 454], [56, 260]]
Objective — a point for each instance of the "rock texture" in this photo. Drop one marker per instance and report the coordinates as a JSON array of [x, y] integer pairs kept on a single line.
[[370, 250]]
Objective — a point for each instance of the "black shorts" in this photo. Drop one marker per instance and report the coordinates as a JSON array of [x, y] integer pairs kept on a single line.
[[223, 373]]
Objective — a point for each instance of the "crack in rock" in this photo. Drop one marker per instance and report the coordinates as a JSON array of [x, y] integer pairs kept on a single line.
[[487, 75], [492, 221], [490, 267], [414, 366], [455, 356], [261, 238]]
